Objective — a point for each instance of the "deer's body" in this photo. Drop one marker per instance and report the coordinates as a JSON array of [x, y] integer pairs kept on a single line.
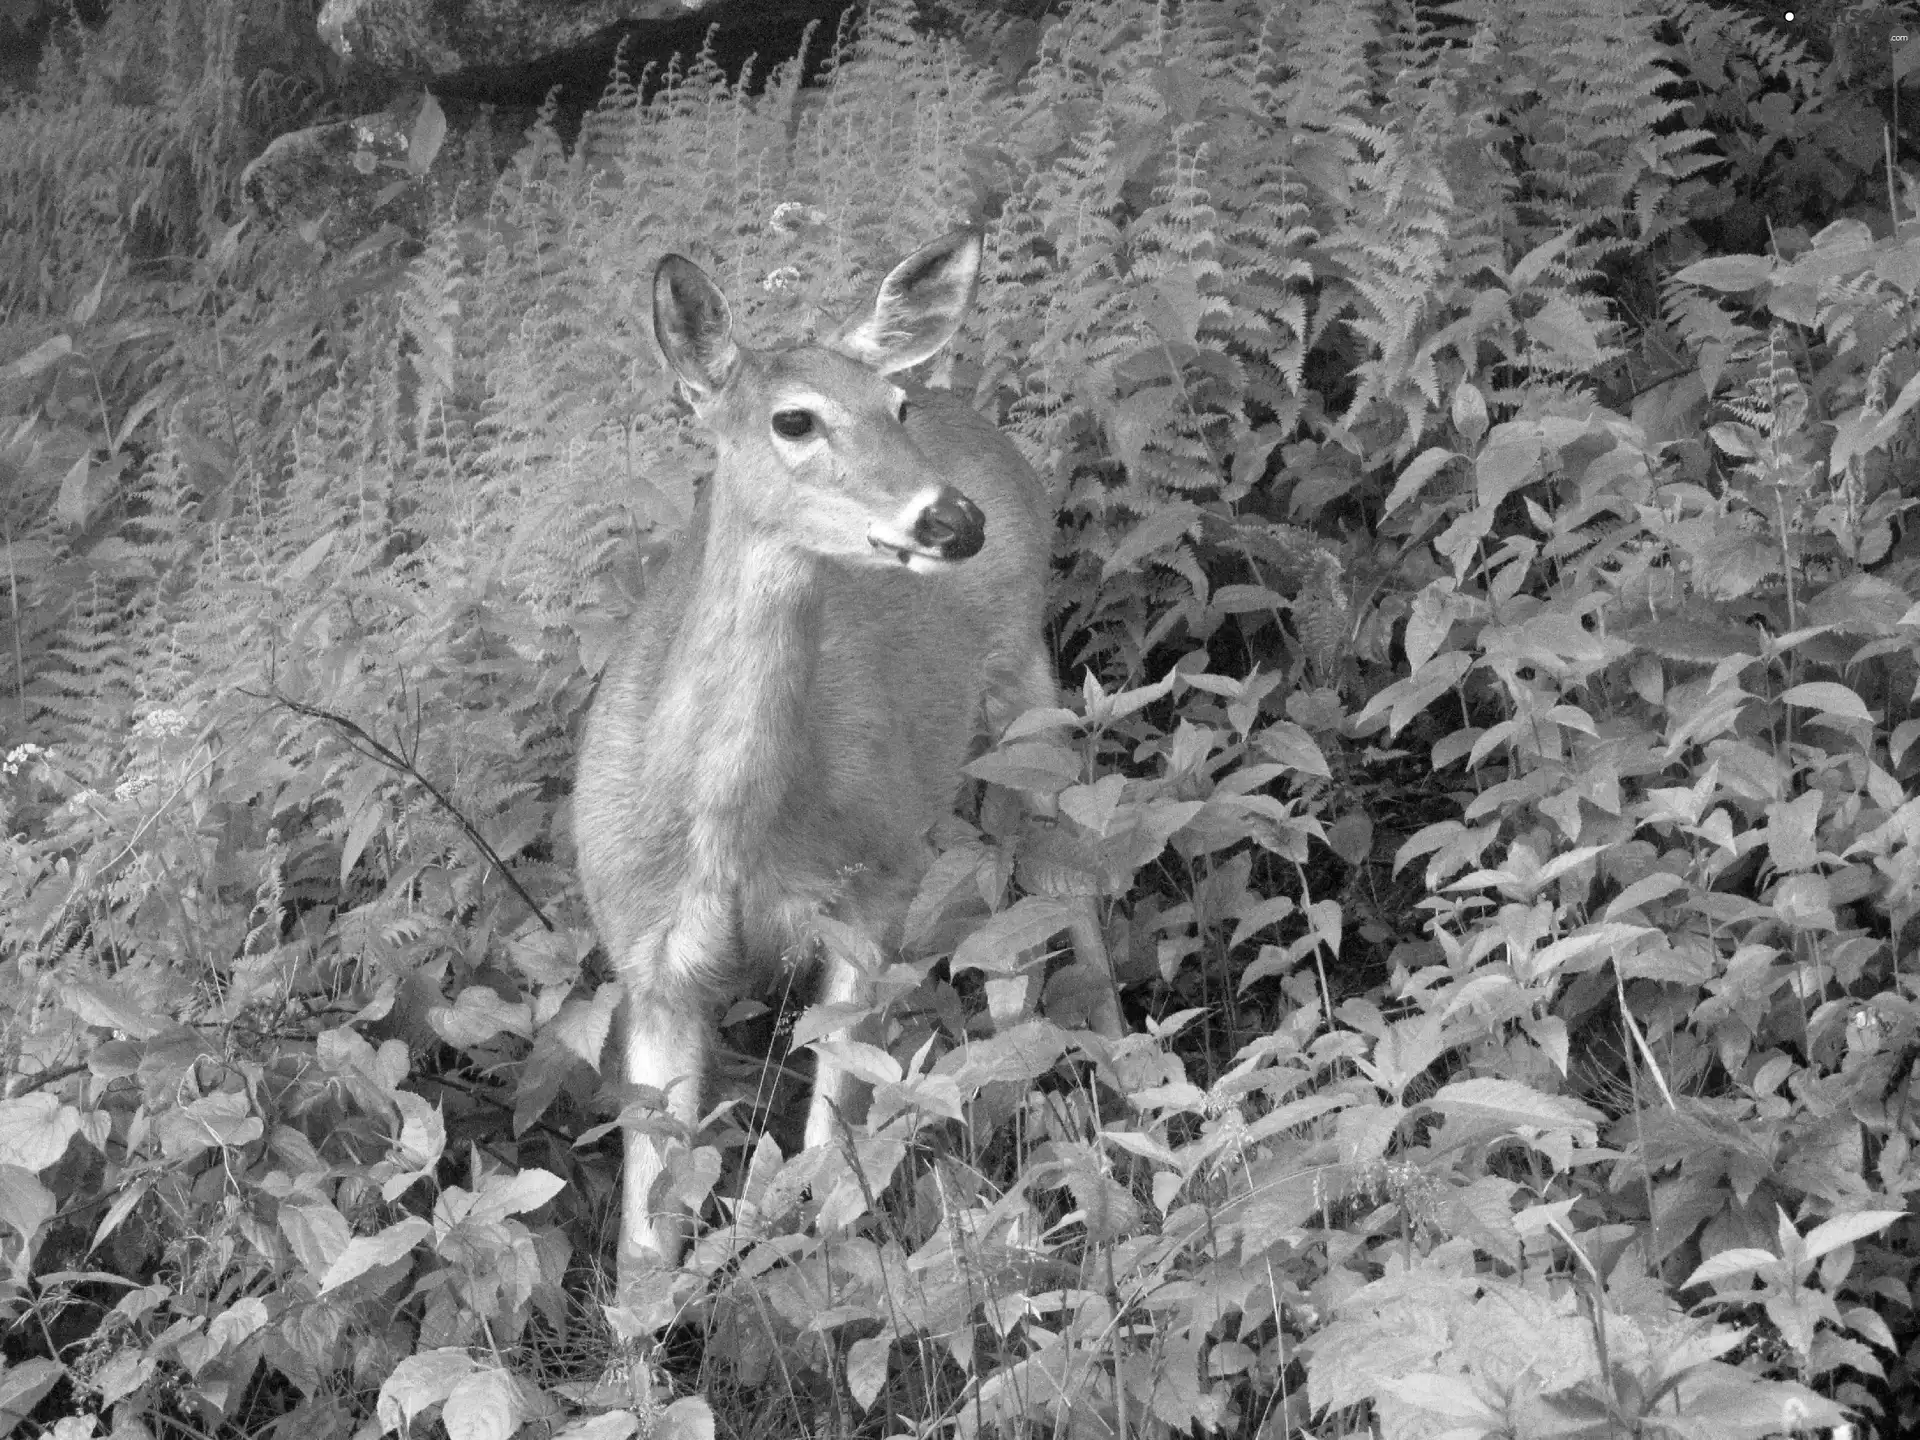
[[737, 745], [789, 713]]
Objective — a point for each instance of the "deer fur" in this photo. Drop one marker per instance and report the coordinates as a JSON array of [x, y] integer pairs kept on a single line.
[[787, 716]]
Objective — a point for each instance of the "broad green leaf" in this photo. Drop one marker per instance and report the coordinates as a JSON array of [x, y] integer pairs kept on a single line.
[[1425, 466], [1450, 1395], [1845, 1229], [428, 133], [479, 1014], [123, 1206], [504, 1195], [1508, 1102], [125, 1372], [1729, 1263], [233, 1325], [1644, 891], [318, 1233], [1044, 767], [1728, 273], [423, 1132], [1469, 412], [867, 1368], [1288, 744], [485, 1405], [687, 1418], [1001, 945], [225, 1119], [25, 1204], [1830, 699], [421, 1381], [1351, 837], [1610, 936], [582, 1026], [111, 1007], [369, 1252], [35, 1129], [1019, 1056], [1729, 1404], [1093, 806], [609, 1425], [1270, 911], [21, 1387]]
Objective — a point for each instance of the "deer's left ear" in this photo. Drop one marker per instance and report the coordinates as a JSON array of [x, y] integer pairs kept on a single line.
[[917, 308]]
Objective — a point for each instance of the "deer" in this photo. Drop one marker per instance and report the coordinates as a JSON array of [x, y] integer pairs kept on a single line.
[[789, 712]]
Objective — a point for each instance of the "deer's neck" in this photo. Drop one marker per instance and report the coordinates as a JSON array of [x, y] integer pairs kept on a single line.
[[734, 712]]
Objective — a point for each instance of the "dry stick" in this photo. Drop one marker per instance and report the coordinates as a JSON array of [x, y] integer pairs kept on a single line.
[[1886, 143], [1639, 1133], [361, 743], [1633, 1029]]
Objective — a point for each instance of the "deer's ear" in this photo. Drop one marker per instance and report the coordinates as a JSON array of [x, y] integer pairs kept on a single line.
[[917, 308], [693, 327]]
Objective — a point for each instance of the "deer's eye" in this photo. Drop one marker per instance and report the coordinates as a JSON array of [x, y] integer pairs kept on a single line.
[[901, 413], [792, 424]]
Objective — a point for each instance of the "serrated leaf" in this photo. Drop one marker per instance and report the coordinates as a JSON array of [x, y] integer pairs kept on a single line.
[[1829, 698], [1165, 524], [1644, 891], [1509, 1102], [502, 1196], [1831, 1234], [1000, 945], [1740, 1261], [479, 1014], [1044, 767], [582, 1026], [1449, 1395], [233, 1325], [369, 1252], [1290, 745]]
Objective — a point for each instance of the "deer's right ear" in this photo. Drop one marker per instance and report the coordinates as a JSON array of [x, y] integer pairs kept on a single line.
[[693, 327]]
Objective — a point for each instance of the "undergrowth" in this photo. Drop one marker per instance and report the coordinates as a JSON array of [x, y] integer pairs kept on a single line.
[[1491, 633]]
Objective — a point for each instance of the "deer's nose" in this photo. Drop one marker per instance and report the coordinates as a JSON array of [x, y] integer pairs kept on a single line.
[[952, 527]]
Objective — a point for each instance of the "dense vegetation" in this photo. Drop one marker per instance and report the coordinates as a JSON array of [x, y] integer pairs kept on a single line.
[[1485, 591]]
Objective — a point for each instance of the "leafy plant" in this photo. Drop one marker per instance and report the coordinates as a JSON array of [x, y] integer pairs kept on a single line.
[[1495, 785]]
